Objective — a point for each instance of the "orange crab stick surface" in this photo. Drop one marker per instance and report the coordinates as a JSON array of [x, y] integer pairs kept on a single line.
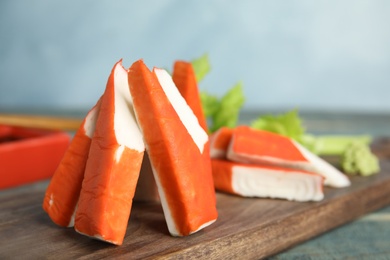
[[178, 150], [260, 145], [185, 80], [113, 165], [62, 194], [219, 142], [249, 145]]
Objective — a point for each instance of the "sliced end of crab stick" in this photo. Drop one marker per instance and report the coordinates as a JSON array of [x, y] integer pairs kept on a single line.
[[178, 150], [219, 142], [250, 180], [261, 147], [62, 194], [113, 165], [185, 80], [333, 177]]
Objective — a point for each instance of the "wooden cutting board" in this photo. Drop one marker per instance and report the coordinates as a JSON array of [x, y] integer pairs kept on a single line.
[[246, 227]]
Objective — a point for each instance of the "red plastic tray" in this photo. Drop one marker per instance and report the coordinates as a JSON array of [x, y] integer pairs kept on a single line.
[[28, 155]]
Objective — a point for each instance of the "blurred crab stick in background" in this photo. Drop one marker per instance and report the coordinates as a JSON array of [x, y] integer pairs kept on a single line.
[[185, 80], [249, 180], [62, 194], [176, 145], [113, 165], [261, 147], [220, 141]]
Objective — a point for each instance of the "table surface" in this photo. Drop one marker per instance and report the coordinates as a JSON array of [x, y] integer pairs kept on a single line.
[[364, 238], [246, 228]]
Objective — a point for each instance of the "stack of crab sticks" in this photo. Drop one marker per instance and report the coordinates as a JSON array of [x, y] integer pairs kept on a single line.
[[141, 126], [147, 139], [256, 163]]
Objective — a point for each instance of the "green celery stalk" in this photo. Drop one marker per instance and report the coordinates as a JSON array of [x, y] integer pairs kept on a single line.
[[336, 144]]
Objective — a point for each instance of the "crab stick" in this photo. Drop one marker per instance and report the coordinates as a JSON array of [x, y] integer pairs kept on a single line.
[[219, 142], [62, 194], [113, 165], [256, 146], [185, 80], [178, 150], [249, 180]]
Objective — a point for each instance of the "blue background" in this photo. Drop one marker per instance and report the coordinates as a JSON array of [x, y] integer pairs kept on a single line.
[[312, 55]]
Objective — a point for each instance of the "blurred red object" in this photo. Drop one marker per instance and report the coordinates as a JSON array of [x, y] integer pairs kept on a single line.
[[28, 155]]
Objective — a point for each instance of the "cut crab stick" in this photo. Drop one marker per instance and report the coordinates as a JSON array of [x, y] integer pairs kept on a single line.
[[219, 142], [113, 165], [178, 150], [62, 194], [185, 80], [256, 146], [250, 180]]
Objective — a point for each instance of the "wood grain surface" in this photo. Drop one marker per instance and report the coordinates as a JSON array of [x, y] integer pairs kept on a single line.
[[247, 228]]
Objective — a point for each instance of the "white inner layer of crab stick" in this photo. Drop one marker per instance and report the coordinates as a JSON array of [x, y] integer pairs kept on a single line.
[[90, 122], [333, 177], [167, 212], [125, 125], [191, 123], [267, 183], [315, 164], [185, 113]]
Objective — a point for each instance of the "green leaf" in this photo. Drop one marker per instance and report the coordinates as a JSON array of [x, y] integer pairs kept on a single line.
[[201, 67], [209, 102], [288, 124], [228, 109], [234, 98], [337, 144]]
